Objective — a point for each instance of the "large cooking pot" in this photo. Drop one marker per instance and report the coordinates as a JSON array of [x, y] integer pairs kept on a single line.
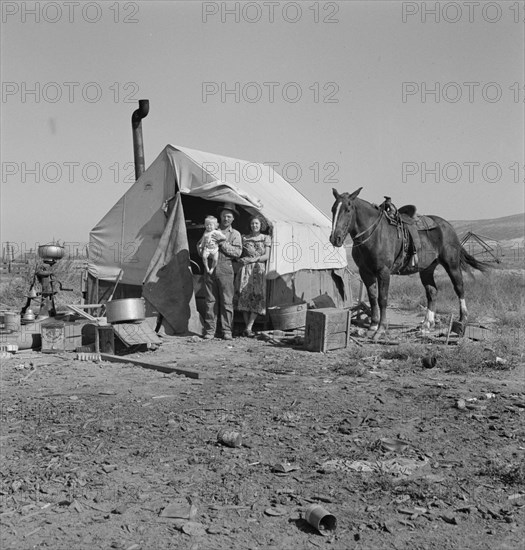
[[51, 251], [126, 310]]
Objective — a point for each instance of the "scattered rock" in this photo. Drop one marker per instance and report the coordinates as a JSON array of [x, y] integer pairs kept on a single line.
[[449, 518], [120, 509], [275, 511], [285, 467], [230, 438], [193, 528], [323, 498], [181, 509], [393, 444]]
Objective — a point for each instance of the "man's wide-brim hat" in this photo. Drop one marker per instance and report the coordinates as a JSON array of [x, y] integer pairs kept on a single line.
[[228, 206]]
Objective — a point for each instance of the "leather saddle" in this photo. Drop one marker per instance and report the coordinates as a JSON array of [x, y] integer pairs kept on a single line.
[[409, 215], [409, 224]]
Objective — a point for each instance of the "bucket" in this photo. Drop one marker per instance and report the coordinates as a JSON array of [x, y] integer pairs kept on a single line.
[[11, 321], [288, 317]]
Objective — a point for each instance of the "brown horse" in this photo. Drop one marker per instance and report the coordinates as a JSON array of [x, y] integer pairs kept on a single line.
[[380, 249]]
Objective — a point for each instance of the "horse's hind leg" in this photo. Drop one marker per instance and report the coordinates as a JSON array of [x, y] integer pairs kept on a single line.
[[427, 278], [456, 276]]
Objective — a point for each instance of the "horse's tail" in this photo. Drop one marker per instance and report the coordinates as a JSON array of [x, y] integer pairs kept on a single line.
[[466, 261]]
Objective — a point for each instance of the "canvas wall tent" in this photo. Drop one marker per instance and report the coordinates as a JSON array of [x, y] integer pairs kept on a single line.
[[151, 234]]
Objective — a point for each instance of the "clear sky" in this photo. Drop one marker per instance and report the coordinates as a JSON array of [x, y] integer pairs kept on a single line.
[[423, 105]]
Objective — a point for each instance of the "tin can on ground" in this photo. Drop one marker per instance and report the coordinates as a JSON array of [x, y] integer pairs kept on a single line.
[[321, 519], [230, 438]]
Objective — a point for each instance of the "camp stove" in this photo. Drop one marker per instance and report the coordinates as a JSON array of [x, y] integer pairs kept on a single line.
[[45, 279]]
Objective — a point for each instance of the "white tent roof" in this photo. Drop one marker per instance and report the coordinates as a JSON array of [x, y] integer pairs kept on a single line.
[[129, 233]]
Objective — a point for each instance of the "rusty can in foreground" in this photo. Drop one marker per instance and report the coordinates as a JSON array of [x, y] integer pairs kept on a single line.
[[321, 519]]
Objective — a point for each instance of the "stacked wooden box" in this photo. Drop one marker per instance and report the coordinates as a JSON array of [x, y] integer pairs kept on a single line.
[[327, 329], [58, 335]]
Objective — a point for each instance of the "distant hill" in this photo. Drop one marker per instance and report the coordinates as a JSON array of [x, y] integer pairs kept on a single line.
[[508, 228]]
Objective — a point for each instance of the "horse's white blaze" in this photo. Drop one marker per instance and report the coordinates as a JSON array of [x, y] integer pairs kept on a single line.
[[336, 217], [463, 306]]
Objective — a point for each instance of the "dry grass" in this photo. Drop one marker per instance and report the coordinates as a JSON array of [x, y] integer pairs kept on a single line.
[[509, 473], [497, 296], [470, 356], [13, 290], [501, 353]]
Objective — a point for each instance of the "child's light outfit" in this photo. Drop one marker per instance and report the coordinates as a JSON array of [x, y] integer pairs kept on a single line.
[[209, 248]]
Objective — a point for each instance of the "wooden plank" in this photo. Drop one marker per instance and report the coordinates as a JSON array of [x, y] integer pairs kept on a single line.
[[153, 366], [81, 312], [449, 328], [106, 339], [477, 332], [314, 332], [136, 333]]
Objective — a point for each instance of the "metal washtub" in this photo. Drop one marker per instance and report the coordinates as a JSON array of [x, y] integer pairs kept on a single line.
[[288, 317], [126, 310]]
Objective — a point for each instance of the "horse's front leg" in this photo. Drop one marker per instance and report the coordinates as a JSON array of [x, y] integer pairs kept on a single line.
[[383, 280], [370, 282]]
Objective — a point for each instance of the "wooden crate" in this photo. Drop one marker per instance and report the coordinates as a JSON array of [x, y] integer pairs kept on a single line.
[[53, 336], [59, 335], [327, 329], [73, 335]]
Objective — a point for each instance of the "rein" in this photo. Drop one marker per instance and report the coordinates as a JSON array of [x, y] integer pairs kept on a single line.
[[372, 227]]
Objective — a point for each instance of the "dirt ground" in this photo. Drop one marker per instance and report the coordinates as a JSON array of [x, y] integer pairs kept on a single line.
[[99, 455]]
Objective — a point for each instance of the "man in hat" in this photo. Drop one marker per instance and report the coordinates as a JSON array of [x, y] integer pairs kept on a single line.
[[219, 284]]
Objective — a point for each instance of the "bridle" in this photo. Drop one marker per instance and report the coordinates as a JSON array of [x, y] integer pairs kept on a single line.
[[372, 227]]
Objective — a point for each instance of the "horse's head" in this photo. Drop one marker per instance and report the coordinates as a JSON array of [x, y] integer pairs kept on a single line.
[[343, 216]]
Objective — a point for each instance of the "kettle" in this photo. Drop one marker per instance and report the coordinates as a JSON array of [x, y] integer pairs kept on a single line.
[[28, 316]]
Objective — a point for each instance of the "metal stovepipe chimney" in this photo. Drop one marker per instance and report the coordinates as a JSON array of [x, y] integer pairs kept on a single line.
[[138, 143]]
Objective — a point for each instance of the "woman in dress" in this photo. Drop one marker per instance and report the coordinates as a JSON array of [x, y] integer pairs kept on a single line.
[[251, 279]]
